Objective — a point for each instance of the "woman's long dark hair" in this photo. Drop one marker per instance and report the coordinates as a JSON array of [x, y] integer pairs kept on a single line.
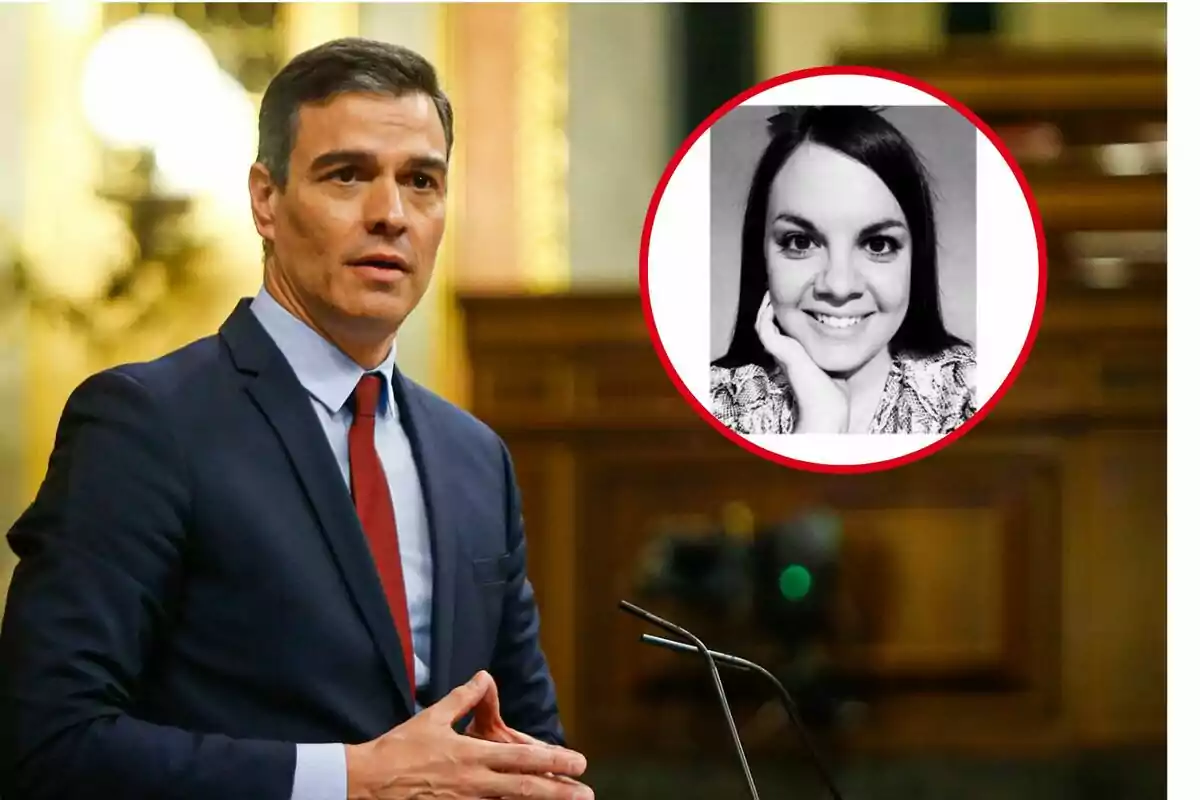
[[862, 134]]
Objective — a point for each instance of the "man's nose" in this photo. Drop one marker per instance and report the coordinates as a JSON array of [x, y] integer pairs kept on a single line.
[[385, 212]]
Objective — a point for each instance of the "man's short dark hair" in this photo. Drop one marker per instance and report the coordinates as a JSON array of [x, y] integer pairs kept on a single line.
[[337, 67]]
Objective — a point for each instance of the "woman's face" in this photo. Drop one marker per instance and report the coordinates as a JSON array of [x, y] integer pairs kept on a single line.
[[838, 257]]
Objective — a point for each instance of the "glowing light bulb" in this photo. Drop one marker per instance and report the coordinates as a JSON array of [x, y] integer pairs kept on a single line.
[[140, 79]]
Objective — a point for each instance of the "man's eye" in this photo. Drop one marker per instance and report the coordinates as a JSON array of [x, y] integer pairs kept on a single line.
[[424, 182], [344, 175]]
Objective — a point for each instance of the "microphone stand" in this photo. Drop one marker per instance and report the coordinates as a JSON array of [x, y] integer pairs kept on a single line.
[[784, 695], [700, 648]]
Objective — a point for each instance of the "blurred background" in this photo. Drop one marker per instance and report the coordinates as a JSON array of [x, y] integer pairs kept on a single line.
[[987, 623]]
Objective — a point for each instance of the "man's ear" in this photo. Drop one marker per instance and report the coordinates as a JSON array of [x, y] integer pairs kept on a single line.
[[264, 195]]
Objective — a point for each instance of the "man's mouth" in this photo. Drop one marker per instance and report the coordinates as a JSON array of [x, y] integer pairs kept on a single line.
[[838, 321], [388, 262]]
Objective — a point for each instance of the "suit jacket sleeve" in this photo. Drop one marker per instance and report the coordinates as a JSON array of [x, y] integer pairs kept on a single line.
[[527, 695], [102, 553]]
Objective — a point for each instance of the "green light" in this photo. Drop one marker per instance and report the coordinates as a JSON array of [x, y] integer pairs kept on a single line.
[[795, 582]]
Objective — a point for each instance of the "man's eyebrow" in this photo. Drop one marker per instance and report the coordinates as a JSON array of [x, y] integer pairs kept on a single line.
[[334, 158], [435, 163]]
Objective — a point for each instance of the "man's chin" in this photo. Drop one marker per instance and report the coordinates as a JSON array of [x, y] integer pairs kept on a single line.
[[385, 310]]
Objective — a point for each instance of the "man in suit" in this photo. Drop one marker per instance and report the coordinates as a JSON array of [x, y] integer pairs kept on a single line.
[[269, 565]]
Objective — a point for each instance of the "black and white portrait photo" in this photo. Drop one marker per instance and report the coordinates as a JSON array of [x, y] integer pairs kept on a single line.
[[843, 270]]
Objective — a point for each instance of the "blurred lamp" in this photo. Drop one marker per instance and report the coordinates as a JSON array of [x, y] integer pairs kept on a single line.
[[151, 84], [139, 76]]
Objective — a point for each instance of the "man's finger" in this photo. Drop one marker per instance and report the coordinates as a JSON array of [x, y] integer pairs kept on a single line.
[[525, 738], [487, 709], [456, 705], [502, 733], [530, 759], [535, 787]]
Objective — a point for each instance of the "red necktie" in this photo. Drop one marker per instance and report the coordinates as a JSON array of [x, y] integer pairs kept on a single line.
[[373, 501]]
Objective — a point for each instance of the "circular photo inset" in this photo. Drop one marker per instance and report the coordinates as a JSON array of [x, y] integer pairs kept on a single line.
[[843, 269]]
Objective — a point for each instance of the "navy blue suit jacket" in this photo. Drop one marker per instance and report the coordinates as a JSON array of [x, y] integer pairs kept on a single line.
[[194, 593]]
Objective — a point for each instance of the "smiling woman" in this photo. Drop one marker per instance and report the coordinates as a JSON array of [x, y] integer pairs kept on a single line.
[[839, 326]]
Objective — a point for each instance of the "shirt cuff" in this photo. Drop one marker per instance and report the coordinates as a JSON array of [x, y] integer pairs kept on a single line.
[[320, 772]]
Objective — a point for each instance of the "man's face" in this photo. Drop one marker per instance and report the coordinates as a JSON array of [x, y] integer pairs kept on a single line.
[[356, 230]]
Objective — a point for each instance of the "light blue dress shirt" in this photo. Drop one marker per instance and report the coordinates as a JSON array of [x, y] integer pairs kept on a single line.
[[330, 376]]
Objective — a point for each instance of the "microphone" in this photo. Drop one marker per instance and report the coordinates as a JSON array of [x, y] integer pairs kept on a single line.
[[716, 678], [784, 695]]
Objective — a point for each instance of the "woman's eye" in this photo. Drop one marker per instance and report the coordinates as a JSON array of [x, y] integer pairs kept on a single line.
[[881, 246], [797, 242]]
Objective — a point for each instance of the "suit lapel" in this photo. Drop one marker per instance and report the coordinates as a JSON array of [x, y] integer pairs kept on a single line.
[[437, 489], [277, 392]]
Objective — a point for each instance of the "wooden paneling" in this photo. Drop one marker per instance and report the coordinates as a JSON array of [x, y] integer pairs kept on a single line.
[[999, 82], [1103, 203], [1114, 374], [567, 362], [907, 561], [950, 574], [1117, 618], [545, 472]]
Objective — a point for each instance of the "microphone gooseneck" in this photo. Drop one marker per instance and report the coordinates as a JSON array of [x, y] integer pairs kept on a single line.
[[785, 697], [716, 678]]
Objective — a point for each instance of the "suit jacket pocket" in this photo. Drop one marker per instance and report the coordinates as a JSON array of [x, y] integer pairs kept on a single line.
[[491, 571]]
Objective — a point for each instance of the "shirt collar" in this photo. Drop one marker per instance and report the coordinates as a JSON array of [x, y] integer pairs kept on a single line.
[[326, 373]]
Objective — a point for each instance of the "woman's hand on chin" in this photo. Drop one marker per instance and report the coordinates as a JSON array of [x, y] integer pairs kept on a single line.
[[822, 406]]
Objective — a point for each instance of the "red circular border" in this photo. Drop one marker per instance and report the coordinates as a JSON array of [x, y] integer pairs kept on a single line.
[[872, 466]]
